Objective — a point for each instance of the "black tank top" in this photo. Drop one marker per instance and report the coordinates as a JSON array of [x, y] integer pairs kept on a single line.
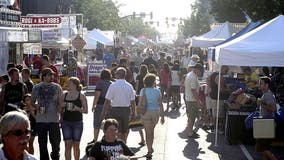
[[13, 94], [73, 116]]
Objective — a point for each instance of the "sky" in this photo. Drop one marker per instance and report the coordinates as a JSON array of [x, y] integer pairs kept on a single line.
[[160, 8]]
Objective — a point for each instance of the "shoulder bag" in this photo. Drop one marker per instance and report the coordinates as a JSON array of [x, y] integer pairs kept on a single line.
[[141, 108]]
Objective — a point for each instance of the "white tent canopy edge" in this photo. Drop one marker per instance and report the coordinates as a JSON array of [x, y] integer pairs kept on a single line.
[[263, 46]]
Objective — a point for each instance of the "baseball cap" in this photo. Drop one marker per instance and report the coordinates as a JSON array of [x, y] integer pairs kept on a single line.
[[46, 71]]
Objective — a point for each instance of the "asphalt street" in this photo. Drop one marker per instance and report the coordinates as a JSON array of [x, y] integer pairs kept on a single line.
[[171, 141]]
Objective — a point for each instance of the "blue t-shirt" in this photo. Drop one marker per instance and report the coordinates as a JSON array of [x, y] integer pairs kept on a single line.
[[152, 96], [108, 58]]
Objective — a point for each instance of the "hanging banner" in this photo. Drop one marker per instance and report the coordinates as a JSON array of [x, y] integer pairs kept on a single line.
[[93, 74]]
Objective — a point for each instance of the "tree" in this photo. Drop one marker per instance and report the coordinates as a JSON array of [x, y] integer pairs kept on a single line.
[[231, 10], [199, 21], [102, 14], [136, 27]]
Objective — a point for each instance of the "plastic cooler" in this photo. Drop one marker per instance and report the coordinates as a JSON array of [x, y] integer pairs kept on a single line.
[[263, 128]]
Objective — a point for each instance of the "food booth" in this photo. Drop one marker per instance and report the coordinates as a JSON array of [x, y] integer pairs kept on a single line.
[[262, 46]]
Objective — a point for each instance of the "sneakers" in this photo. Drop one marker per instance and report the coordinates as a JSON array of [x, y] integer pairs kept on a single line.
[[149, 155]]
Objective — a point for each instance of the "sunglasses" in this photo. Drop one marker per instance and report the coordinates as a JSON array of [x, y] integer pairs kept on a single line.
[[20, 132]]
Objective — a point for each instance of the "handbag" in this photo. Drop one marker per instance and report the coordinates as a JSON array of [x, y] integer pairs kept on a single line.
[[141, 108]]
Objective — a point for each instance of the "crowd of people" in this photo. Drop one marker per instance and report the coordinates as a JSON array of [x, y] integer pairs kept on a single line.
[[122, 87]]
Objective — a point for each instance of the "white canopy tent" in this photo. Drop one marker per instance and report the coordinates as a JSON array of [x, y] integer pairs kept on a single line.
[[95, 36], [263, 46], [213, 37]]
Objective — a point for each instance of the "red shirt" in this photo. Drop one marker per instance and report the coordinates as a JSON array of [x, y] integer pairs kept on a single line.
[[164, 77]]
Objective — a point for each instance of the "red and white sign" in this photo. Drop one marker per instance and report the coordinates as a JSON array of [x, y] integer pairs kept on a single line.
[[41, 22], [93, 74]]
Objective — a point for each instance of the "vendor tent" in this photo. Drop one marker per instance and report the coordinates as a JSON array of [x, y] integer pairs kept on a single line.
[[95, 36], [249, 27], [263, 46], [214, 36]]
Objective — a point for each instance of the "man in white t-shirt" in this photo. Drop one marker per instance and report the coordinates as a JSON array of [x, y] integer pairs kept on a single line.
[[120, 96], [193, 102]]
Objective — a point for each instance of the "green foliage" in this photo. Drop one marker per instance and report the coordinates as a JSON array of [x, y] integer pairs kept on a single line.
[[230, 10], [203, 12], [200, 19], [136, 28], [103, 14]]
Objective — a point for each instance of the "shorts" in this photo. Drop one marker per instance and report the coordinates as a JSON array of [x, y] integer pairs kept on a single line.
[[192, 110], [97, 116], [121, 114], [151, 117], [72, 130], [175, 89], [213, 103], [262, 144]]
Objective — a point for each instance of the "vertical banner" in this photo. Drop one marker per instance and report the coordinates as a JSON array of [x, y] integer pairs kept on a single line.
[[4, 57], [93, 74]]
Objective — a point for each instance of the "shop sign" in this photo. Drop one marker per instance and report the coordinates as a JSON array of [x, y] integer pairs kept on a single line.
[[9, 17], [32, 48], [78, 42], [51, 35], [34, 35], [41, 22], [93, 74], [17, 36], [68, 21]]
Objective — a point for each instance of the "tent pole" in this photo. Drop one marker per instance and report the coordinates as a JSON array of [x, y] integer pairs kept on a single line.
[[218, 103]]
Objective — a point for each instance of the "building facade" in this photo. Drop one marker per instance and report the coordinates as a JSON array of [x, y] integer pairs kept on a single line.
[[45, 6]]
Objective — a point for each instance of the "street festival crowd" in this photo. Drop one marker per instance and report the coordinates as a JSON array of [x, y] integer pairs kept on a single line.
[[131, 92]]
